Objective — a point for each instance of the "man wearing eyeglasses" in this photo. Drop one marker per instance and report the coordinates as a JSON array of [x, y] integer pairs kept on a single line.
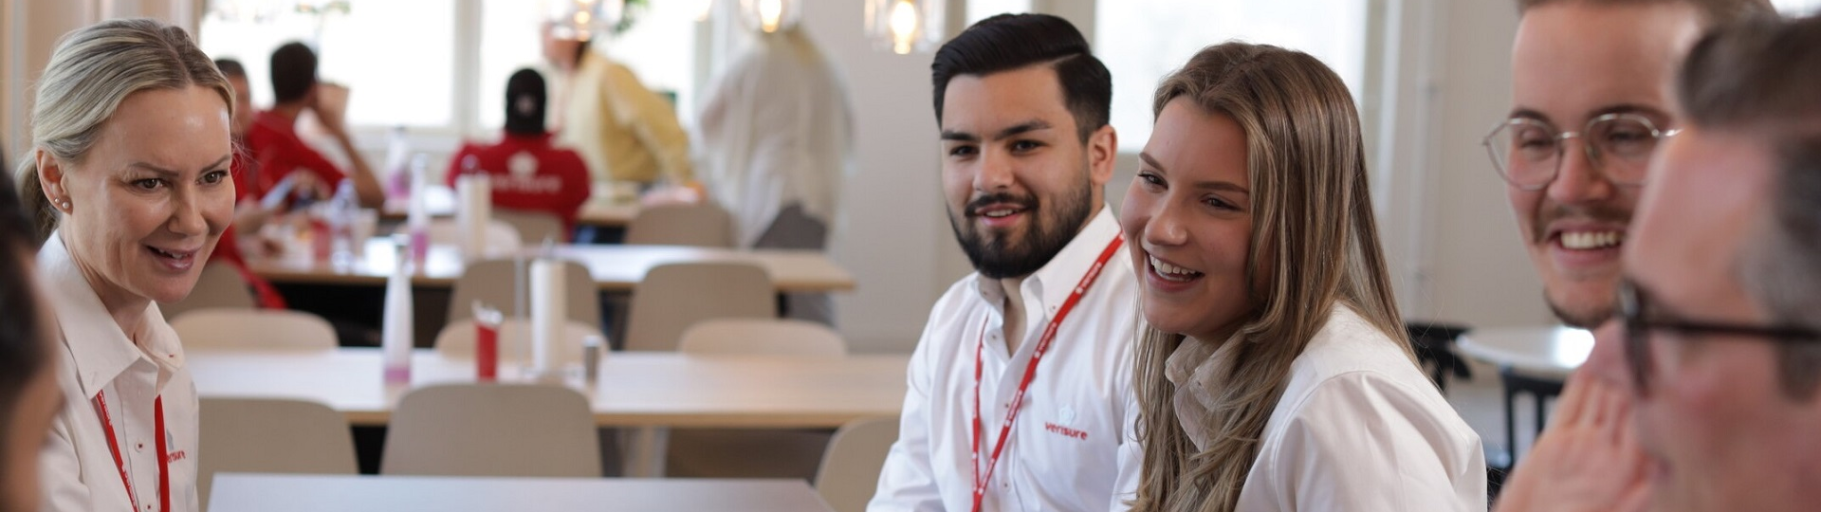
[[1716, 347], [1591, 100], [1721, 302]]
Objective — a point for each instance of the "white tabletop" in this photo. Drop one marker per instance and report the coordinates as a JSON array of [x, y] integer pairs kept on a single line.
[[599, 211], [238, 492], [634, 389], [614, 267], [1539, 350]]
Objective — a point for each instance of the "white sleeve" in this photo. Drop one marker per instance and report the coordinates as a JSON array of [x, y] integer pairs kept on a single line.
[[907, 483], [1131, 460], [1363, 442], [60, 471]]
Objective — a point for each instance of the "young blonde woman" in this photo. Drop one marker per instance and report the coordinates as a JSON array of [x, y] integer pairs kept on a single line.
[[129, 179], [1273, 372]]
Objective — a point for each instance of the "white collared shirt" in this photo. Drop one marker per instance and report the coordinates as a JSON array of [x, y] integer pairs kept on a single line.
[[1359, 427], [1074, 445], [78, 471]]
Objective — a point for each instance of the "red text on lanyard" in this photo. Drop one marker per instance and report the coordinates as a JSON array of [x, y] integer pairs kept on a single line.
[[982, 478], [164, 460]]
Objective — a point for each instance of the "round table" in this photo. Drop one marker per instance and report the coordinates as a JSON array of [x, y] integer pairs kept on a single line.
[[1533, 360]]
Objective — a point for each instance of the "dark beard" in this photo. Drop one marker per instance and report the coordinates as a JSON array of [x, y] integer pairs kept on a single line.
[[1588, 321], [1050, 231]]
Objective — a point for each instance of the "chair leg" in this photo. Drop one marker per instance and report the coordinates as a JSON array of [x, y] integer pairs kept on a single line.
[[1510, 417]]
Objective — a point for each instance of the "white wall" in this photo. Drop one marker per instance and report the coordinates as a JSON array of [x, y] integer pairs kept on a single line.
[[1481, 274], [895, 238]]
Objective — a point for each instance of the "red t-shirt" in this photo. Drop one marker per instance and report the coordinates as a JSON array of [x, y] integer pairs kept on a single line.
[[228, 249], [276, 151], [528, 173]]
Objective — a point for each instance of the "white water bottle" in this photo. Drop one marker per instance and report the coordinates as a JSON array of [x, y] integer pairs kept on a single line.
[[395, 333]]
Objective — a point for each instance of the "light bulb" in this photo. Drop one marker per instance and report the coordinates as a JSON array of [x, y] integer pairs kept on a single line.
[[771, 15], [903, 25]]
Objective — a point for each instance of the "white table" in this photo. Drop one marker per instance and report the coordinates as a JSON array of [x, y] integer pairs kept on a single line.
[[241, 492], [614, 267], [1533, 360], [1544, 351], [647, 391]]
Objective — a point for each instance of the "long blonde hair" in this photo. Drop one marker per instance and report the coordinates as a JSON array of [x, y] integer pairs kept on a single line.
[[1314, 242], [90, 73]]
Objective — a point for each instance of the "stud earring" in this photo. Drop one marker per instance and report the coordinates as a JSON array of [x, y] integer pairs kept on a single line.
[[66, 204]]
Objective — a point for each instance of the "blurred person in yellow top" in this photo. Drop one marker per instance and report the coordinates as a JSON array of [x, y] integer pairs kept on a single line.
[[623, 131]]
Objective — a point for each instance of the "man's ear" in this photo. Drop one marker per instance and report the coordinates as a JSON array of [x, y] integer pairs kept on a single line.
[[1103, 151]]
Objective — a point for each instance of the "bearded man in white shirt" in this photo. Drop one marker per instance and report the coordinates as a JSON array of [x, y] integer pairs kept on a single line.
[[1020, 391]]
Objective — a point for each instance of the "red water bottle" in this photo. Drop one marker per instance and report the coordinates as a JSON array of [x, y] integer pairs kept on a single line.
[[486, 343]]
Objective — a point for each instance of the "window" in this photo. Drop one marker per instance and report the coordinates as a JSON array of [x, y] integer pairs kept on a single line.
[[659, 48], [396, 79], [1141, 41], [407, 66]]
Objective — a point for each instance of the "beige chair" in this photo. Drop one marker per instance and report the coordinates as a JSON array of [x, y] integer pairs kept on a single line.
[[752, 453], [492, 282], [457, 340], [241, 435], [761, 336], [219, 286], [850, 468], [533, 226], [702, 225], [492, 430], [672, 297], [235, 329]]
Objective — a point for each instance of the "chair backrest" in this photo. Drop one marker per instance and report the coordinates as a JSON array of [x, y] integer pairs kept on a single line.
[[492, 282], [205, 329], [850, 468], [457, 340], [264, 435], [219, 286], [492, 430], [533, 226], [672, 297], [761, 337], [704, 225], [501, 237]]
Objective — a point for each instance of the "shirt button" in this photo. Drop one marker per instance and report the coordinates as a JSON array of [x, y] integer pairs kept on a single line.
[[140, 447]]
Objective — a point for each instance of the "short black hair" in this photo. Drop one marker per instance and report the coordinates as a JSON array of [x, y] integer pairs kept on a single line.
[[293, 72], [525, 99], [231, 68], [1012, 41]]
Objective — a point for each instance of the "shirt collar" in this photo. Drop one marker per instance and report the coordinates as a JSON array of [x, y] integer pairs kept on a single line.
[[99, 350], [1052, 283]]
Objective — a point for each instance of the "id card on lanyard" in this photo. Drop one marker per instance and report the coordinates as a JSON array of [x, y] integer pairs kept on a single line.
[[982, 478], [164, 459]]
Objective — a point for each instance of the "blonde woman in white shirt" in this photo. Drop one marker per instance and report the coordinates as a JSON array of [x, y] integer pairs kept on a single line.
[[1273, 374], [129, 178]]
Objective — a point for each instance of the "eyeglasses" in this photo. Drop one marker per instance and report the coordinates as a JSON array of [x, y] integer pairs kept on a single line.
[[1638, 320], [1528, 152]]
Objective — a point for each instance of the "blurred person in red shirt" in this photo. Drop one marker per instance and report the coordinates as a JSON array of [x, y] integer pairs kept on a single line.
[[276, 150], [527, 171]]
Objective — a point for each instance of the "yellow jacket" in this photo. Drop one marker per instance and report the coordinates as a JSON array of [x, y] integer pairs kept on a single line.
[[624, 131]]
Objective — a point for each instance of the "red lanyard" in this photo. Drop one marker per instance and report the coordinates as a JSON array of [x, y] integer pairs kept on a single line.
[[164, 462], [981, 479]]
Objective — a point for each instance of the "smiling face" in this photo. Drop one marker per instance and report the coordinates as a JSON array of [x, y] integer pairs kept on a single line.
[[151, 198], [1188, 218], [1018, 179], [1571, 63]]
